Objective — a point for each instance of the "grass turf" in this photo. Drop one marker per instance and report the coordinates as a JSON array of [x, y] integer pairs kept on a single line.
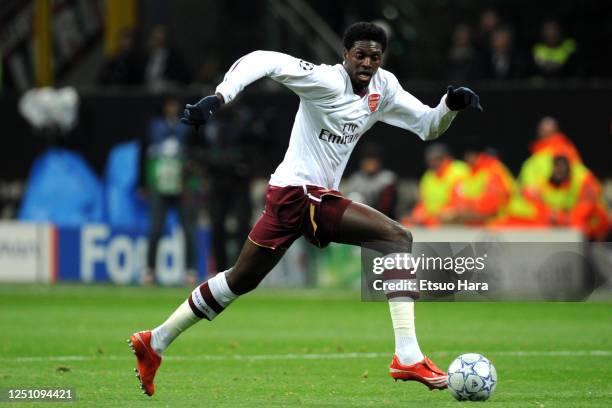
[[74, 336]]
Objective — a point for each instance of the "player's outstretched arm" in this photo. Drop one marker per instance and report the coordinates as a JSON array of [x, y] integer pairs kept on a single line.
[[297, 75], [300, 76], [407, 112]]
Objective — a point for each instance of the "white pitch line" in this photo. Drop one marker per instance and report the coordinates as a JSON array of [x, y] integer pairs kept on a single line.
[[570, 353], [311, 356]]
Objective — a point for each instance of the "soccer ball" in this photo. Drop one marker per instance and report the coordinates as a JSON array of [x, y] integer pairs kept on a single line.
[[471, 377]]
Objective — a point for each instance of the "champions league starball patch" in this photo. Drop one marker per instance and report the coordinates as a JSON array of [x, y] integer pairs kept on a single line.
[[373, 101], [306, 66]]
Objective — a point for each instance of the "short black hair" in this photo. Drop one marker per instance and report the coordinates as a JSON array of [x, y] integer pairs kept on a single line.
[[364, 31]]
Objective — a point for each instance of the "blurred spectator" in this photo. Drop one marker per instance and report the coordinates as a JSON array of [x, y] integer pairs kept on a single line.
[[572, 196], [126, 67], [164, 69], [373, 185], [2, 73], [502, 60], [480, 196], [436, 186], [464, 61], [232, 140], [557, 188], [554, 55], [550, 142], [208, 72], [489, 22], [165, 154]]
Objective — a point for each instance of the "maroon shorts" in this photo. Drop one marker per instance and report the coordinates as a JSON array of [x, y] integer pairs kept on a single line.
[[292, 211]]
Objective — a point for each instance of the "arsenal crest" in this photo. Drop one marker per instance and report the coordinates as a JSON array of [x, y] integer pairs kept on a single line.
[[373, 101]]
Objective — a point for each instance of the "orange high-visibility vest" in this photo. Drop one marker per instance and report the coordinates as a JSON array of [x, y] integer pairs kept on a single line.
[[487, 189], [578, 203]]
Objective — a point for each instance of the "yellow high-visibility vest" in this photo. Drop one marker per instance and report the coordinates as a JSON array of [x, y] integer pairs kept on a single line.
[[555, 55], [565, 199], [436, 190]]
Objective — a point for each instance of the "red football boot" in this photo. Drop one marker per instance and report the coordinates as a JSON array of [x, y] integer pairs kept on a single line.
[[147, 360], [425, 371]]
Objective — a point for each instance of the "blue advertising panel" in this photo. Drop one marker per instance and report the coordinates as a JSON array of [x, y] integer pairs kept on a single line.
[[101, 253]]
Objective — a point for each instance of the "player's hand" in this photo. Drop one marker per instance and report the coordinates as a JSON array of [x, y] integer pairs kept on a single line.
[[199, 113], [460, 98]]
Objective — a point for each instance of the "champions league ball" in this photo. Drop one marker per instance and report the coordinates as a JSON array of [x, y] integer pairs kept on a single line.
[[471, 377]]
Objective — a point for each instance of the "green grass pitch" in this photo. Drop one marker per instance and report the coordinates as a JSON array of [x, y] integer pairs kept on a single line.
[[297, 348]]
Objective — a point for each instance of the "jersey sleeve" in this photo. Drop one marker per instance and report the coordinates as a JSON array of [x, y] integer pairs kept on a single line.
[[403, 110], [304, 78]]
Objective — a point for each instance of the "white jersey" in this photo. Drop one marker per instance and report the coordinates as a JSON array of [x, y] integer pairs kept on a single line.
[[332, 118]]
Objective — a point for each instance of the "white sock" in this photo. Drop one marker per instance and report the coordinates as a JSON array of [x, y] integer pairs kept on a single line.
[[406, 345], [206, 301], [179, 321], [402, 316]]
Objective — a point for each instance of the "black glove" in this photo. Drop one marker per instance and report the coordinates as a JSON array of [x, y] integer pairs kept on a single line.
[[460, 98], [198, 114]]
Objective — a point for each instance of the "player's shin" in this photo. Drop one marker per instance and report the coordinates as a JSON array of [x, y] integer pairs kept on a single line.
[[401, 307], [205, 302], [406, 345]]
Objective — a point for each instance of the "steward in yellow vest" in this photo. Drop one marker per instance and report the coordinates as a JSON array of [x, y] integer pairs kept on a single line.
[[436, 186], [573, 197], [550, 143], [554, 56]]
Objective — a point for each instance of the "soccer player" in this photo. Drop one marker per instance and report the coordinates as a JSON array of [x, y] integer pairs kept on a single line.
[[338, 104]]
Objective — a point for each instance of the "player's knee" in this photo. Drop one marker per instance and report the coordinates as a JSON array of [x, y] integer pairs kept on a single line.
[[401, 235], [241, 288], [239, 283]]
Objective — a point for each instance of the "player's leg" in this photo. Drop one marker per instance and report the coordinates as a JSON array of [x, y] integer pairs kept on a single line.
[[214, 295], [362, 224], [272, 234], [205, 302]]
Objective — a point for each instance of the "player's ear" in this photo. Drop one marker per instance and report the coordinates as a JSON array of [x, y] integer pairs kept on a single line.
[[345, 53]]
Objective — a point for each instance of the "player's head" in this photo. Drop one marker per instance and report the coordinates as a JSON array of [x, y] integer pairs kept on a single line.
[[364, 44]]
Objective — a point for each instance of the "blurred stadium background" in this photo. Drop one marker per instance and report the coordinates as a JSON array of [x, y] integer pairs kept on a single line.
[[84, 81]]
